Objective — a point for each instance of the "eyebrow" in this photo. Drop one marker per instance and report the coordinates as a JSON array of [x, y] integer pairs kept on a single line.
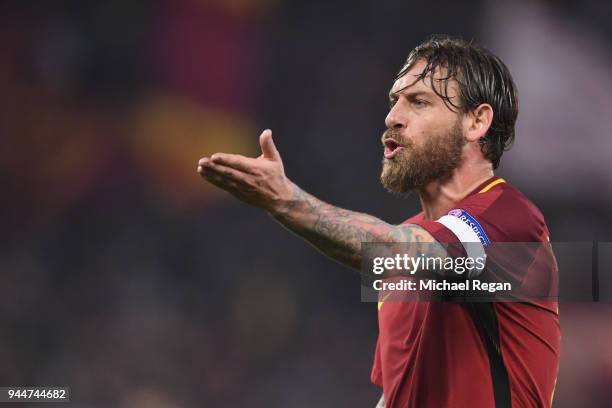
[[395, 95]]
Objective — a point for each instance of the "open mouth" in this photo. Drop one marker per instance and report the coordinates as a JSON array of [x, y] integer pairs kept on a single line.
[[392, 148]]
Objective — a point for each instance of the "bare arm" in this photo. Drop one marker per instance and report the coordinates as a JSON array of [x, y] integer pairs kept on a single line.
[[339, 233], [334, 231]]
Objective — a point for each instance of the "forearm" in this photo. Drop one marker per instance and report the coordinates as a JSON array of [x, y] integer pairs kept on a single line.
[[339, 233]]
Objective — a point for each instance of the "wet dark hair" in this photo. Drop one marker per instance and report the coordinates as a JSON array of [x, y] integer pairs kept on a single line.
[[481, 77]]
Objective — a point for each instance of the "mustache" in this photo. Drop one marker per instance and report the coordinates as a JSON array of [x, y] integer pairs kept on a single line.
[[390, 134], [394, 135]]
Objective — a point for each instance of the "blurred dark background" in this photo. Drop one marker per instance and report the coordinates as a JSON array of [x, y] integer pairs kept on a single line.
[[126, 277]]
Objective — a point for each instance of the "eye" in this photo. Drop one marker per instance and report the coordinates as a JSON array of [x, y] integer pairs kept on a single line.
[[419, 103], [392, 103]]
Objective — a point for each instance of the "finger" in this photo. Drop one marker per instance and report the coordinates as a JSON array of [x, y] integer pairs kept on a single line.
[[220, 181], [224, 171], [201, 164], [219, 176], [236, 161], [267, 146]]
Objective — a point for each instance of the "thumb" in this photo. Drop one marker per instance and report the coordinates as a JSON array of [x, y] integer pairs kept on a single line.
[[267, 146]]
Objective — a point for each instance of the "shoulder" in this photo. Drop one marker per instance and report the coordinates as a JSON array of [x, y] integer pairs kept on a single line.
[[506, 214]]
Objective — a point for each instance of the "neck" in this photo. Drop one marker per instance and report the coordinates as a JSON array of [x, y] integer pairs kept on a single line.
[[440, 196]]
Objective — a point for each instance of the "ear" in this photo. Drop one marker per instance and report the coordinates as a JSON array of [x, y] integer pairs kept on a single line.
[[477, 122]]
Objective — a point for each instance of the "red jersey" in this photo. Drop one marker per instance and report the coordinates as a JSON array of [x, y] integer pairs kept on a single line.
[[431, 355]]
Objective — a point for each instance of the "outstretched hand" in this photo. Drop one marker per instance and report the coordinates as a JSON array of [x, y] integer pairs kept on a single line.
[[257, 181]]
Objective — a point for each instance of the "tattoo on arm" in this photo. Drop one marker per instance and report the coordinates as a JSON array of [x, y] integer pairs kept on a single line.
[[339, 233]]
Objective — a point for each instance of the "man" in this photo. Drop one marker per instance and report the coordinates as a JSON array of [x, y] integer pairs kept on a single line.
[[453, 110]]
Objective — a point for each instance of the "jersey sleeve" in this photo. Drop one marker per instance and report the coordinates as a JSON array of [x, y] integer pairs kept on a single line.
[[503, 216], [462, 232]]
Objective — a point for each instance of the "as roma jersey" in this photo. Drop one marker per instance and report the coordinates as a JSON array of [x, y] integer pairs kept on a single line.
[[431, 354]]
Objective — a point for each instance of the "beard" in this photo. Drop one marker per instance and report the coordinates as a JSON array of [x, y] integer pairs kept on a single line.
[[417, 165]]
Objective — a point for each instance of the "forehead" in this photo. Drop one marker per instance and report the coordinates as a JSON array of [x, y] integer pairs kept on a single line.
[[409, 81]]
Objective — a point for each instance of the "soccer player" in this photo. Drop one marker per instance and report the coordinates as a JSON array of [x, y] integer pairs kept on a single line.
[[453, 108]]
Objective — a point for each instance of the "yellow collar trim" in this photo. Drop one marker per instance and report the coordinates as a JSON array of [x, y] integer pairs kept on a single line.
[[491, 185]]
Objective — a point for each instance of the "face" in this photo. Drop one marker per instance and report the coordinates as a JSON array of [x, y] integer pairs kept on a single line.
[[424, 138]]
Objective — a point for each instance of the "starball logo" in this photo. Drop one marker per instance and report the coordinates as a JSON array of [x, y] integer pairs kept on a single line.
[[455, 213]]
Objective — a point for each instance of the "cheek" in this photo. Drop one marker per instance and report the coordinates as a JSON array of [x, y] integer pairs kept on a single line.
[[438, 125], [429, 123], [424, 129]]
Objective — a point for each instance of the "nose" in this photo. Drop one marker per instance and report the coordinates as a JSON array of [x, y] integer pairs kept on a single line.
[[395, 119]]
